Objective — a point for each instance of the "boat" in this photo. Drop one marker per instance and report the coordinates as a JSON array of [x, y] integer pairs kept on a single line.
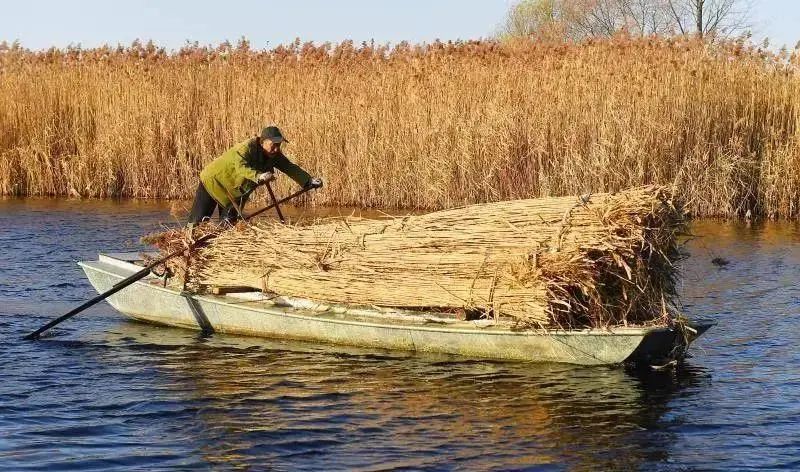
[[253, 313]]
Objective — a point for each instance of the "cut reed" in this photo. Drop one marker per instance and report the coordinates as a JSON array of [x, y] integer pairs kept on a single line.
[[597, 260]]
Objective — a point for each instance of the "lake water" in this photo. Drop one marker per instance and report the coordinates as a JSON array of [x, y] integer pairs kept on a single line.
[[104, 392]]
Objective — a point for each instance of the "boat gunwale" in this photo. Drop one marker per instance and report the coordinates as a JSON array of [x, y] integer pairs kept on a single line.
[[282, 311]]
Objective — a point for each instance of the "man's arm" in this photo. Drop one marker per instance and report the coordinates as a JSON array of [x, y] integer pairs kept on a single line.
[[291, 169]]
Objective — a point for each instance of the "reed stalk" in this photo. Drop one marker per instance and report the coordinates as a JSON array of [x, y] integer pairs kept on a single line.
[[425, 127], [592, 261]]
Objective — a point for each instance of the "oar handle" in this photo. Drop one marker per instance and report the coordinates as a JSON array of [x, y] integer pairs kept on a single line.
[[282, 200], [275, 202], [146, 270]]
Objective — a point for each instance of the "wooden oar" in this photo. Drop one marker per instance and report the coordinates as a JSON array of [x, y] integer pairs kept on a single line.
[[274, 201], [146, 270], [235, 205], [233, 200]]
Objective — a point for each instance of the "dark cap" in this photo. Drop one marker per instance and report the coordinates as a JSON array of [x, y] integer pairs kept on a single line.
[[273, 134]]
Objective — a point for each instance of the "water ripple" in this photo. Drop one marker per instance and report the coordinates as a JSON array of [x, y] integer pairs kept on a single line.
[[105, 393]]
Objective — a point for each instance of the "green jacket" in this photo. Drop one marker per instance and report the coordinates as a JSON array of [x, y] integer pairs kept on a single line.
[[237, 169]]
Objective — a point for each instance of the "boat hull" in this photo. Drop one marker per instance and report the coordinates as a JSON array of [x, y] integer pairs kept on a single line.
[[148, 301]]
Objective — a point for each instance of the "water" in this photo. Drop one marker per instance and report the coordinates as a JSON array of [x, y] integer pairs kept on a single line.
[[106, 392]]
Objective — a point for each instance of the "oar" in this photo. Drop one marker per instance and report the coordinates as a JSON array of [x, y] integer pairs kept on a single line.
[[275, 202], [235, 205], [146, 270], [238, 209]]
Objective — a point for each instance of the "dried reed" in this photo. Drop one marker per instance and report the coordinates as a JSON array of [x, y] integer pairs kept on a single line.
[[430, 126], [598, 260]]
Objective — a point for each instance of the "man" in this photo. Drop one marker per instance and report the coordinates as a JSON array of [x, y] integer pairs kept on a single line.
[[235, 173]]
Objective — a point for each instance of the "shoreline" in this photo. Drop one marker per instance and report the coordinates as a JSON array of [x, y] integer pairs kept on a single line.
[[322, 210]]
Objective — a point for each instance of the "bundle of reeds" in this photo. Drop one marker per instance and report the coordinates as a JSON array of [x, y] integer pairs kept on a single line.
[[467, 122], [595, 260]]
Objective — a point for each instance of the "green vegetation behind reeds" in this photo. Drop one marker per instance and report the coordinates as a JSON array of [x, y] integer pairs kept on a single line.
[[424, 127]]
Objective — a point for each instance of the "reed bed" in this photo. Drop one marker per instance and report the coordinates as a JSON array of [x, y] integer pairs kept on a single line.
[[597, 260], [429, 127]]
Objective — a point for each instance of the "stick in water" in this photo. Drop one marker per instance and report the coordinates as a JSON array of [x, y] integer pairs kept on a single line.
[[146, 270]]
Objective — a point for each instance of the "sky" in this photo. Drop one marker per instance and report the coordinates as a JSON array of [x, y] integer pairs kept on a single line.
[[267, 23]]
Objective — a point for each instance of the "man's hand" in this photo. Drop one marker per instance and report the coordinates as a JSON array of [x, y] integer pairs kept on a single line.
[[316, 182], [265, 177]]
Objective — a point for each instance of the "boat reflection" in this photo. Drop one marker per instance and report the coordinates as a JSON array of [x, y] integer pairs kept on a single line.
[[273, 402]]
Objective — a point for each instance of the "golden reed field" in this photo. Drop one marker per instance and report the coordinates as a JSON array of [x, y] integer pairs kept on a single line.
[[413, 126]]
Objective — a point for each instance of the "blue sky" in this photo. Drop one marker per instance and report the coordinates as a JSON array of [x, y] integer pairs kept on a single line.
[[45, 23]]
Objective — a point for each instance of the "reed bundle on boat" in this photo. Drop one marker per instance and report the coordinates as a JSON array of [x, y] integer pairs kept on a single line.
[[590, 261]]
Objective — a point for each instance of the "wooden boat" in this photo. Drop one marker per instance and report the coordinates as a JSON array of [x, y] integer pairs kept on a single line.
[[257, 314]]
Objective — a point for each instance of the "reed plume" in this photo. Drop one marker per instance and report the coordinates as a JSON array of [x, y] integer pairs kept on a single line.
[[413, 126]]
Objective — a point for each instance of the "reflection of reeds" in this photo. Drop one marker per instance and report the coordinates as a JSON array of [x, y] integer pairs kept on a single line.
[[595, 261], [424, 127]]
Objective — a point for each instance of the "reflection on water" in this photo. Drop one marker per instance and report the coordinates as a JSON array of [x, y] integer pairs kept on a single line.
[[107, 392], [231, 400]]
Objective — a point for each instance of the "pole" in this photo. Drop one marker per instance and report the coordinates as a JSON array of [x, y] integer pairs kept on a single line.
[[146, 270], [277, 208]]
